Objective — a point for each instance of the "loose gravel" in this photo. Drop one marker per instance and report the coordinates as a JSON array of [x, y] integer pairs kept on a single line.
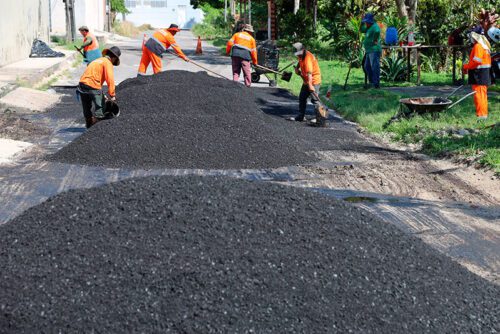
[[217, 255]]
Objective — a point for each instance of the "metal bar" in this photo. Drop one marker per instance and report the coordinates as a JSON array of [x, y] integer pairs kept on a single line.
[[454, 91], [461, 99]]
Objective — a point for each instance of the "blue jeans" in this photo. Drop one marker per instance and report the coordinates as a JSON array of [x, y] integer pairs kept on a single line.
[[372, 68]]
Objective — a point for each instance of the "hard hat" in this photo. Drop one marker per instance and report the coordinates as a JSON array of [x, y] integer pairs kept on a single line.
[[494, 34]]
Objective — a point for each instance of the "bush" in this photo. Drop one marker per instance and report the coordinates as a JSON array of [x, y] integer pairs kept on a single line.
[[393, 68], [213, 25], [125, 28]]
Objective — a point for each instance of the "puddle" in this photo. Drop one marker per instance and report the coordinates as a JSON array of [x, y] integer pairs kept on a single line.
[[359, 199]]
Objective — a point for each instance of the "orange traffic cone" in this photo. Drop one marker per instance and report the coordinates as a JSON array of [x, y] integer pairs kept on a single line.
[[198, 47], [329, 92]]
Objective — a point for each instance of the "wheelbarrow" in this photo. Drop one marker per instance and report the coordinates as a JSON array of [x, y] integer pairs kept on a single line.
[[409, 107], [259, 69]]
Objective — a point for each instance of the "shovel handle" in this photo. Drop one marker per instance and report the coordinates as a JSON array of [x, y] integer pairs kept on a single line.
[[454, 91], [200, 66], [267, 69], [79, 50], [461, 99]]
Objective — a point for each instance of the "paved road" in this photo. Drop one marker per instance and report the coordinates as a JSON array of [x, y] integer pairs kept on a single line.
[[465, 227]]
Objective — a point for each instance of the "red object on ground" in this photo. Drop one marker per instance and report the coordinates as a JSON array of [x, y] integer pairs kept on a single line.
[[329, 92], [199, 51]]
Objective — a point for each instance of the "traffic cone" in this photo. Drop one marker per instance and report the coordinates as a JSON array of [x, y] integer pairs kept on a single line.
[[329, 92], [198, 47]]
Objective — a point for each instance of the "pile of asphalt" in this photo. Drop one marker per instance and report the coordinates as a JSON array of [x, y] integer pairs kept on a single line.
[[179, 119], [206, 255]]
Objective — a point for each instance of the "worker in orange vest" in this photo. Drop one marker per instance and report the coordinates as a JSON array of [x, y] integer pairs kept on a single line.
[[478, 68], [90, 45], [156, 45], [243, 50], [308, 69], [91, 82]]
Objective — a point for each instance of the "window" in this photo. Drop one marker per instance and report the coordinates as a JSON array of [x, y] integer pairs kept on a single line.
[[158, 3], [130, 3]]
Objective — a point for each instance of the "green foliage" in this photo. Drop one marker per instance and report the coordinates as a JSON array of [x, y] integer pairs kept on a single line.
[[349, 41], [297, 27], [118, 6], [213, 25], [393, 68]]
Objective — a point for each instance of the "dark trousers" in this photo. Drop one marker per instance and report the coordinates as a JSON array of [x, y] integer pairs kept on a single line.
[[90, 96], [372, 68], [303, 96]]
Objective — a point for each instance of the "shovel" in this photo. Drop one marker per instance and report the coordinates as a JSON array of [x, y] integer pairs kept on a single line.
[[284, 75]]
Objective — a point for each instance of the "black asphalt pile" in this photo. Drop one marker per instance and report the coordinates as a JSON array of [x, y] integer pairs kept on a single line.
[[180, 119], [213, 255]]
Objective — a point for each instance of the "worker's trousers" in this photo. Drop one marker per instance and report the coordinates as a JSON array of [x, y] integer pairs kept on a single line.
[[372, 68], [303, 96], [149, 57], [242, 64], [481, 100], [90, 96]]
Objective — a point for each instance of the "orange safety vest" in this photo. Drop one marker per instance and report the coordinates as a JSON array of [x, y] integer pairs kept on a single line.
[[94, 45], [98, 72], [479, 66], [309, 65], [242, 41], [161, 40]]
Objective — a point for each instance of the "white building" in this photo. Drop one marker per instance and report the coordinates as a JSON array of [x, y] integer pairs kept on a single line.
[[91, 13], [161, 13], [21, 21]]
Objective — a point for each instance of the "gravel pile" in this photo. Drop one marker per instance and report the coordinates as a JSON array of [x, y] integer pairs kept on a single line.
[[213, 255], [179, 119]]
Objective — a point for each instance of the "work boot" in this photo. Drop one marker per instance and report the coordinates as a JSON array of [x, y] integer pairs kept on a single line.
[[90, 121], [297, 119]]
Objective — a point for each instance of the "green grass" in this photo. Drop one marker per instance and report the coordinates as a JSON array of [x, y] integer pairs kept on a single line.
[[373, 108]]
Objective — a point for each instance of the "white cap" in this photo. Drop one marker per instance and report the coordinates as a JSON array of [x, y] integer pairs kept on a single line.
[[299, 48]]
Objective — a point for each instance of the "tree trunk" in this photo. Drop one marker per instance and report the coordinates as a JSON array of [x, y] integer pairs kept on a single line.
[[401, 5], [412, 10], [296, 6]]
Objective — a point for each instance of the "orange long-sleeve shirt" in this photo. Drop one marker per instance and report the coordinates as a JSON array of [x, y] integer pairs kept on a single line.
[[166, 39], [244, 41], [479, 58], [98, 72], [310, 65]]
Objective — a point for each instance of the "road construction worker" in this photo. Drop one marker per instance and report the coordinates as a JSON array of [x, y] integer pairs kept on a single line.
[[372, 48], [156, 45], [90, 45], [308, 69], [243, 50], [90, 86], [478, 68]]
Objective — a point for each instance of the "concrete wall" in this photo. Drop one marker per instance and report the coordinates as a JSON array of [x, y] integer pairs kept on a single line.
[[91, 13], [21, 21], [179, 12]]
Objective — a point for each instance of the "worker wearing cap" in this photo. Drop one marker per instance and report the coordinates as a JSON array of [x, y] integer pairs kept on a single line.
[[156, 45], [90, 45], [478, 68], [91, 82], [308, 69], [372, 48], [243, 50]]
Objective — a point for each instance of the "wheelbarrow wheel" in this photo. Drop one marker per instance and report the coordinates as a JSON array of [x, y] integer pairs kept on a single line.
[[255, 77]]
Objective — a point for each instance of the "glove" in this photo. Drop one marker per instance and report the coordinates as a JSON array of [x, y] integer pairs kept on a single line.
[[186, 59], [113, 98]]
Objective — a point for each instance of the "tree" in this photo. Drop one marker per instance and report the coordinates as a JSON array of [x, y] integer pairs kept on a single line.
[[118, 6]]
